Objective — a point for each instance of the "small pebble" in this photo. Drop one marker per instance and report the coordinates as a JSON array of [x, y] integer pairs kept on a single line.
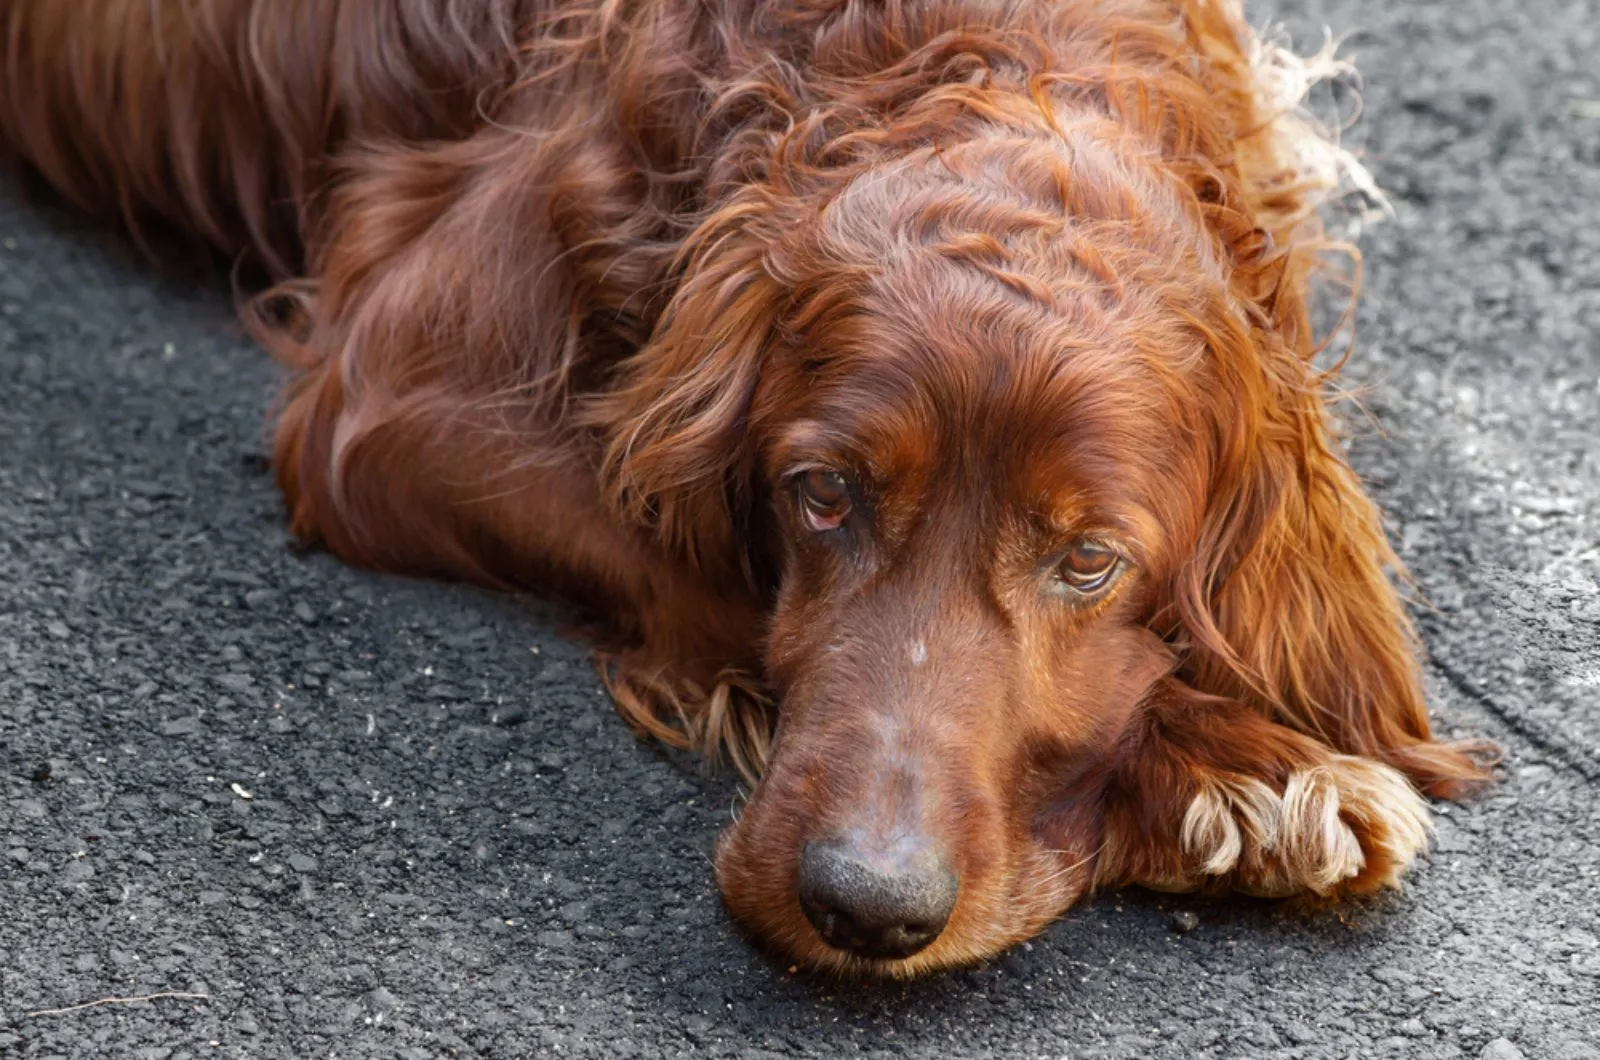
[[256, 599], [380, 999], [1300, 1034], [302, 863], [1389, 975], [1501, 1049], [1183, 921]]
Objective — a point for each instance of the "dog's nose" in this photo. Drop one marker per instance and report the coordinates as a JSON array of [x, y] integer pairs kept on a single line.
[[876, 905]]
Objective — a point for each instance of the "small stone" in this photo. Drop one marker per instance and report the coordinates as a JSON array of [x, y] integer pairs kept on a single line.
[[1449, 838], [380, 1000], [302, 863], [256, 599], [180, 727], [303, 612], [1389, 975], [1183, 921], [78, 871], [1413, 1028], [1500, 1049], [510, 717]]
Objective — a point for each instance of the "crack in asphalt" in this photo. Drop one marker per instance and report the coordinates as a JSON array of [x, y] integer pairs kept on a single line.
[[1552, 746]]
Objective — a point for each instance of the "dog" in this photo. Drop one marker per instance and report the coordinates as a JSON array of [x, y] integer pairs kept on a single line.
[[917, 397]]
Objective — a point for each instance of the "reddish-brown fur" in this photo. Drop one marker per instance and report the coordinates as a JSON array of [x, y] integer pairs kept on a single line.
[[574, 292]]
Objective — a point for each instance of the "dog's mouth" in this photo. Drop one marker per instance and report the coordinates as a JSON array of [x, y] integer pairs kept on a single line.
[[832, 914]]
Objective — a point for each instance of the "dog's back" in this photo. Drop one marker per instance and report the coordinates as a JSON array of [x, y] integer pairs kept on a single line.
[[221, 116]]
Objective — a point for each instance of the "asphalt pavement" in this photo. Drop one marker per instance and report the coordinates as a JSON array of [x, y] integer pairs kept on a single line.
[[329, 813]]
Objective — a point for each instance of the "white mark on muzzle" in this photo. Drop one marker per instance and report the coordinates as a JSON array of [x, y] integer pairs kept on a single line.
[[919, 653]]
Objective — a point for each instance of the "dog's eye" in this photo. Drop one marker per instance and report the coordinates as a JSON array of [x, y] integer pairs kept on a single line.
[[1088, 566], [824, 499]]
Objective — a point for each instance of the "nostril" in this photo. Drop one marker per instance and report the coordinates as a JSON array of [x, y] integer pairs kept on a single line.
[[889, 903]]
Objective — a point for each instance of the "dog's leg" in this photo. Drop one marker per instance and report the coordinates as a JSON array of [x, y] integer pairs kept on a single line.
[[1216, 794]]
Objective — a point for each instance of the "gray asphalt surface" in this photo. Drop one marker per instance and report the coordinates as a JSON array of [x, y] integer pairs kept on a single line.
[[365, 816]]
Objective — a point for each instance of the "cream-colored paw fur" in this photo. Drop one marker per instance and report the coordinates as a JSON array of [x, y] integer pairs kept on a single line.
[[1318, 834]]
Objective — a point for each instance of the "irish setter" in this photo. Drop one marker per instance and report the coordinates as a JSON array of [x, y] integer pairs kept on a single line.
[[917, 394]]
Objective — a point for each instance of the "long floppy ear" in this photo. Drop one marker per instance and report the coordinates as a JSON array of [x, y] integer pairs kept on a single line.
[[1287, 601], [432, 350], [676, 457], [371, 388]]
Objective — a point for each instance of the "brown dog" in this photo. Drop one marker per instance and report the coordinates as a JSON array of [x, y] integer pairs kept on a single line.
[[920, 391]]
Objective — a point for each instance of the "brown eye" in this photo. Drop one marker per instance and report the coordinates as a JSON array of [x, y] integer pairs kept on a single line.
[[824, 499], [1088, 567]]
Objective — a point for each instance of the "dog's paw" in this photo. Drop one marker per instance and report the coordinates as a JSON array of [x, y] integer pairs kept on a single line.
[[1344, 826]]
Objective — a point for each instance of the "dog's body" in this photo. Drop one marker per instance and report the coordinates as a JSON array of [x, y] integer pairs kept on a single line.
[[940, 370]]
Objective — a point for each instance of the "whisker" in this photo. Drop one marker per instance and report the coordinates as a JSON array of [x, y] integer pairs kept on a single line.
[[1061, 872]]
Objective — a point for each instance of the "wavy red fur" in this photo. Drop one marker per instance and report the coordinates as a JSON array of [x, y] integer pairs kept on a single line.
[[575, 295]]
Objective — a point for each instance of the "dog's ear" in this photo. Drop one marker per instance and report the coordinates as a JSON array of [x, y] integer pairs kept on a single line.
[[675, 423], [429, 354], [1287, 601]]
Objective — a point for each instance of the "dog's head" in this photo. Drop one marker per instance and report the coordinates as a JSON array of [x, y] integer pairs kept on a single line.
[[1024, 427]]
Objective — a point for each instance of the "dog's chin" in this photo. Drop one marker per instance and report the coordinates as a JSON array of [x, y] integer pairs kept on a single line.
[[827, 961], [804, 950], [961, 947]]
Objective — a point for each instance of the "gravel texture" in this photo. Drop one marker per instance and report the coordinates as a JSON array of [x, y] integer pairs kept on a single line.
[[365, 816]]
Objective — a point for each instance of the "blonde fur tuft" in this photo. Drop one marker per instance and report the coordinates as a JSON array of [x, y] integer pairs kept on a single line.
[[731, 722], [1347, 823], [1295, 162]]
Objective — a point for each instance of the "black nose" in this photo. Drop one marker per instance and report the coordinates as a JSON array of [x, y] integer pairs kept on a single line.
[[879, 905]]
